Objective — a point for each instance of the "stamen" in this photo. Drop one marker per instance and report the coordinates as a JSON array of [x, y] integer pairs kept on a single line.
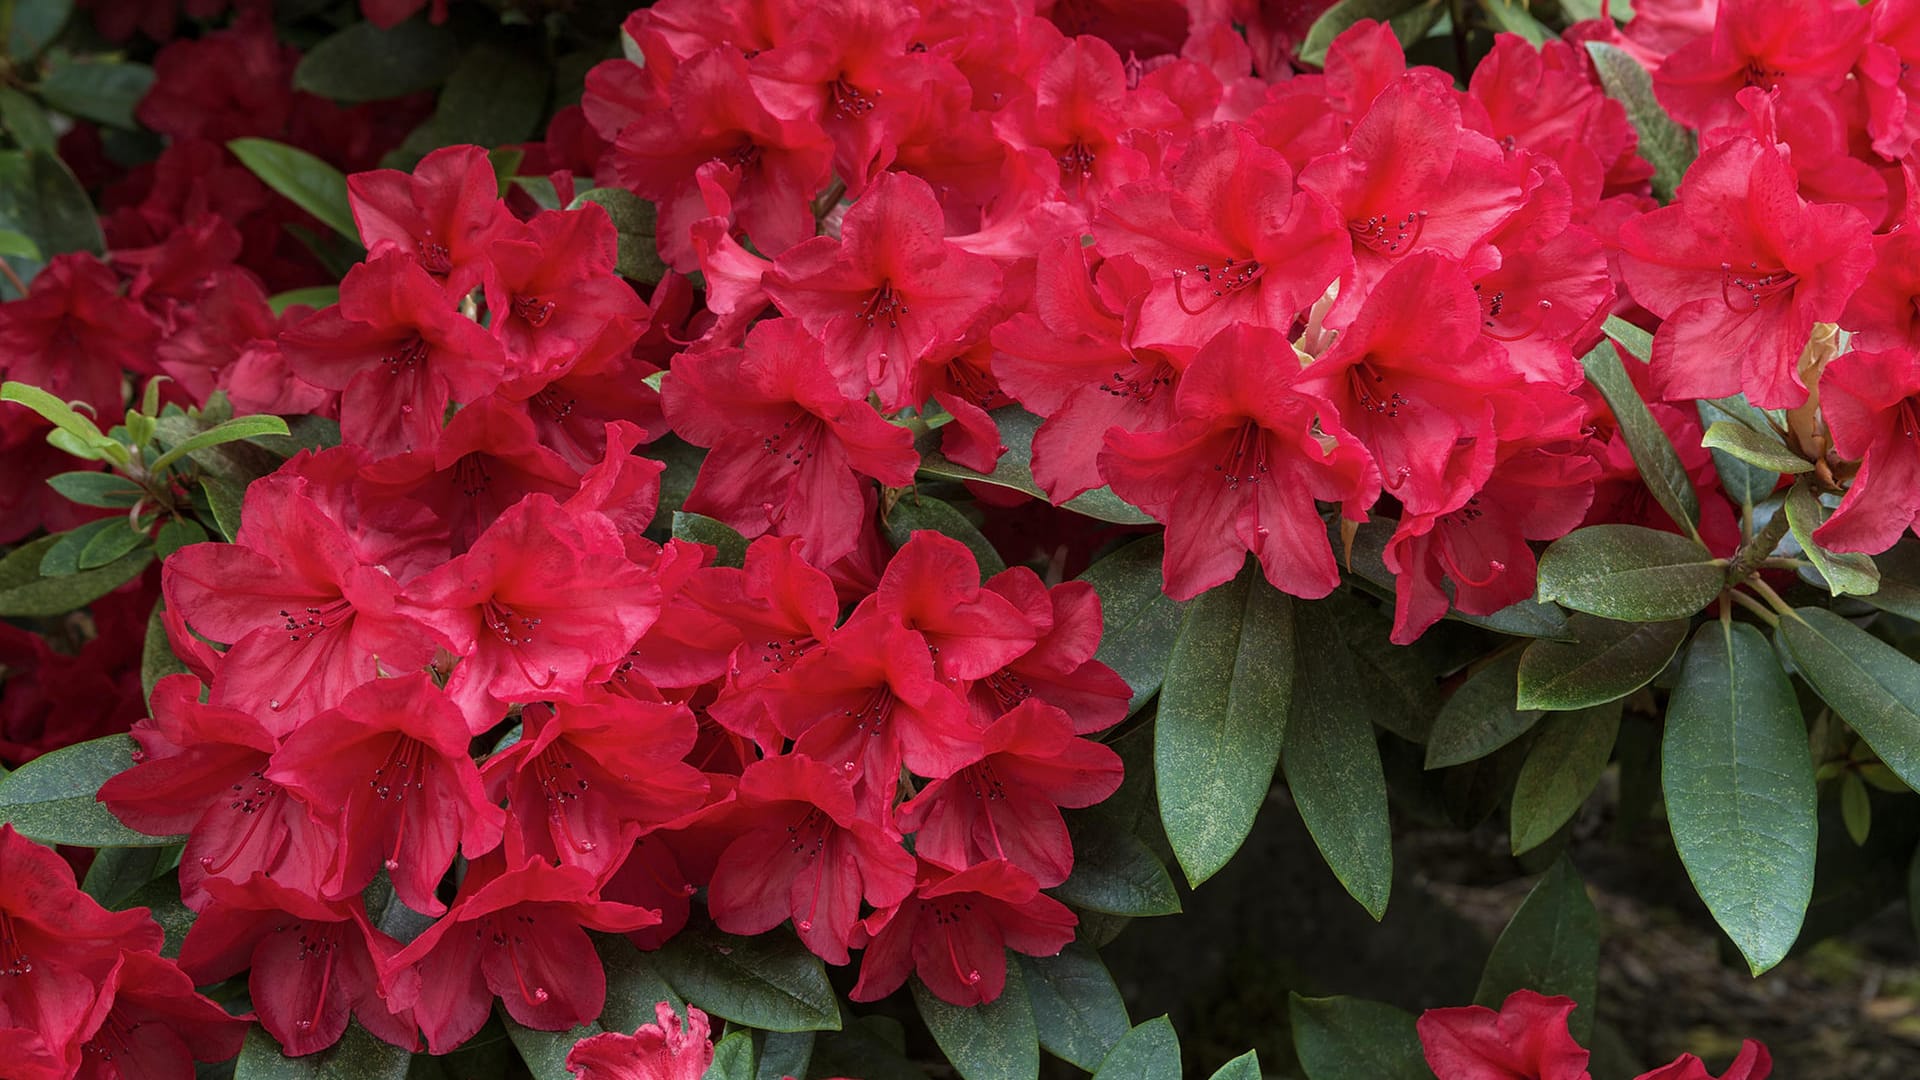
[[884, 304], [534, 310], [16, 961], [1385, 236], [1210, 286], [1758, 289]]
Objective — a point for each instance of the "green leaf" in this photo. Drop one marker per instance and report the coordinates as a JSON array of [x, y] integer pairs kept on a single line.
[[1480, 717], [1552, 946], [51, 798], [314, 296], [545, 1052], [1872, 685], [701, 529], [118, 873], [781, 1053], [103, 489], [357, 1056], [240, 427], [1563, 767], [59, 595], [365, 63], [1740, 791], [42, 200], [62, 416], [1117, 874], [176, 534], [1630, 573], [224, 499], [1344, 1038], [915, 511], [63, 558], [1514, 18], [1667, 146], [635, 986], [732, 1058], [1139, 622], [994, 1041], [156, 655], [769, 981], [311, 184], [634, 220], [34, 26], [12, 243], [1222, 719], [1844, 572], [1753, 448], [1244, 1067], [1744, 483], [494, 96], [112, 543], [26, 122], [1338, 18], [869, 1047], [104, 91], [21, 566], [1148, 1052], [1332, 766], [1076, 1006], [1606, 661], [1015, 469], [1856, 808], [1655, 457]]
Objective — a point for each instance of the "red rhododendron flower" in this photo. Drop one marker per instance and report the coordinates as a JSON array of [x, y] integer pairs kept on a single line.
[[546, 595], [400, 352], [517, 934], [1528, 1037], [1060, 669], [1545, 99], [803, 852], [1241, 469], [1006, 805], [554, 298], [1871, 401], [310, 965], [955, 930], [932, 585], [891, 294], [74, 335], [443, 215], [389, 768], [788, 445], [149, 1022], [231, 83], [1079, 113], [1804, 46], [1739, 269], [1753, 1063], [662, 1050]]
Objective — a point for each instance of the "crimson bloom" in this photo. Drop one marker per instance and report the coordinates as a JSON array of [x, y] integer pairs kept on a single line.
[[1240, 470], [932, 585], [517, 934], [890, 295], [802, 852], [1803, 46], [662, 1050], [545, 596], [149, 1024], [1740, 268], [311, 964], [1528, 1037], [74, 336], [390, 764], [400, 352], [1871, 401], [555, 300], [1079, 111], [1006, 805], [1060, 669], [1752, 1063], [443, 216], [788, 445], [955, 930]]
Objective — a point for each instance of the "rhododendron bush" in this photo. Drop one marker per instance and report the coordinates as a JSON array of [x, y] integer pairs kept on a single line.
[[755, 538]]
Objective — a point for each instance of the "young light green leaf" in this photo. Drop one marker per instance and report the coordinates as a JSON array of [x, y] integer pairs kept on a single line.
[[1744, 483], [1139, 622], [1332, 766], [17, 245], [769, 981], [1550, 946], [1856, 808], [915, 511], [1563, 767], [1740, 791], [994, 1041], [1480, 717], [1629, 573], [51, 798], [1653, 454], [1150, 1051], [366, 63], [1344, 1038], [634, 221], [1753, 448], [1607, 660], [1667, 146], [357, 1056], [1222, 719], [240, 427], [1844, 572], [1076, 1006], [62, 416], [1872, 685], [312, 184], [1514, 18], [314, 296], [104, 91], [1015, 469]]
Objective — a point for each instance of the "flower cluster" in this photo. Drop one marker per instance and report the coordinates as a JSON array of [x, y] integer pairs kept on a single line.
[[1528, 1037]]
